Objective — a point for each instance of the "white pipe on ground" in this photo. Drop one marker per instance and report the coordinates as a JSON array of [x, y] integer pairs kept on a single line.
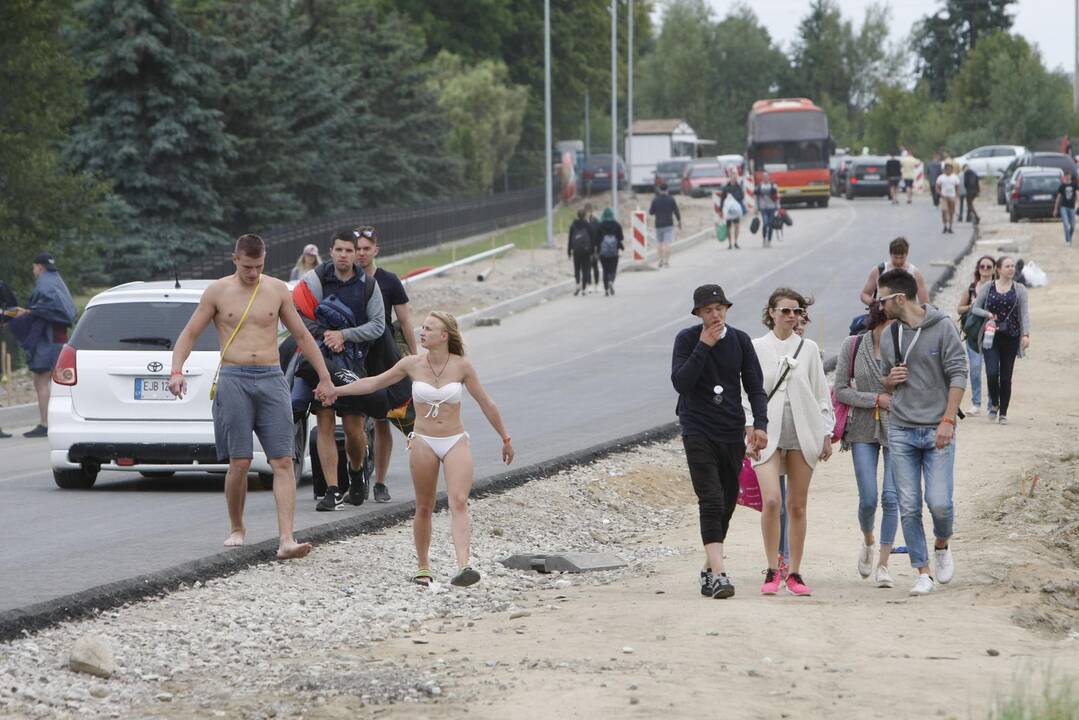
[[459, 263]]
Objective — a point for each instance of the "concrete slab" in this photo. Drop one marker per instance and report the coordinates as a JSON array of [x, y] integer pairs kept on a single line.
[[566, 562]]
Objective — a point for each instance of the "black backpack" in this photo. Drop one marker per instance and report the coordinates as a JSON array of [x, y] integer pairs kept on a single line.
[[581, 240]]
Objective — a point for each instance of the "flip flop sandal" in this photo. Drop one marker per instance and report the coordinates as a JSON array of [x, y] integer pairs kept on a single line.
[[465, 577], [423, 577]]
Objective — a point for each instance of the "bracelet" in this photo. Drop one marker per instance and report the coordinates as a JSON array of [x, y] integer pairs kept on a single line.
[[950, 421], [876, 401], [176, 372]]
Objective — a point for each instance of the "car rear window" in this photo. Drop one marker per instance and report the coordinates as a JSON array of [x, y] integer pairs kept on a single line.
[[670, 168], [1056, 161], [1041, 183], [138, 326], [705, 170]]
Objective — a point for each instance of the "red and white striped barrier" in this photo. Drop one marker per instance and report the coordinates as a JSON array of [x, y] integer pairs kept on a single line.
[[749, 187], [717, 205], [640, 236]]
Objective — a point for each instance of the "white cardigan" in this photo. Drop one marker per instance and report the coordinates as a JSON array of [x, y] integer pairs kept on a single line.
[[810, 398]]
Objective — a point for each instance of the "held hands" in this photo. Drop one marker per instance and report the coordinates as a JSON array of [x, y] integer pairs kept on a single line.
[[326, 393], [178, 385], [756, 440], [710, 335], [334, 339]]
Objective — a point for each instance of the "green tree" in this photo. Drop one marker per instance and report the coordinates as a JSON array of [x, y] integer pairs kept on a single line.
[[487, 113], [944, 38], [151, 130], [820, 56]]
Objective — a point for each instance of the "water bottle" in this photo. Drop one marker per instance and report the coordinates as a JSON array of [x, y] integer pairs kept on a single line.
[[990, 333]]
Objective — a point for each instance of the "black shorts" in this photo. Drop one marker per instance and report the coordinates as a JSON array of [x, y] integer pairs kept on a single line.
[[893, 182]]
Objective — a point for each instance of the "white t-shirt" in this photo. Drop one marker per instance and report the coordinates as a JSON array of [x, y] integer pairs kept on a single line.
[[948, 185]]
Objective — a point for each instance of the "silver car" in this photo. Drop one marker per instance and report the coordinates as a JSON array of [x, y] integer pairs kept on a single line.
[[991, 159]]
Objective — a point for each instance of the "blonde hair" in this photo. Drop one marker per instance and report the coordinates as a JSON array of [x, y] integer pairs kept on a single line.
[[454, 343], [301, 264]]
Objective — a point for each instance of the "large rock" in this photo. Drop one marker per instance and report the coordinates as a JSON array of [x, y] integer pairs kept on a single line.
[[92, 654]]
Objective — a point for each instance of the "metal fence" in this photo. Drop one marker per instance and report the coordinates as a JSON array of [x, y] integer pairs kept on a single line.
[[399, 229]]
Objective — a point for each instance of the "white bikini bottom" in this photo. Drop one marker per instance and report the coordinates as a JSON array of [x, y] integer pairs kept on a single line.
[[440, 445]]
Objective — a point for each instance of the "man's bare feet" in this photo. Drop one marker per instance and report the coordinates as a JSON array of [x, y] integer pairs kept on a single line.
[[235, 538], [290, 550]]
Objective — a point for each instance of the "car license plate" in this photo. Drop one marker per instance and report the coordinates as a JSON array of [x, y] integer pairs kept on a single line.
[[792, 191], [871, 177], [153, 388], [1040, 198]]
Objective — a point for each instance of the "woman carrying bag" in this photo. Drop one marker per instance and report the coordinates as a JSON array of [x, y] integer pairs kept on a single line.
[[801, 421], [984, 272], [1006, 304]]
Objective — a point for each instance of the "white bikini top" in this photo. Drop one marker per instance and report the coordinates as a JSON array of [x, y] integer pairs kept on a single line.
[[427, 393]]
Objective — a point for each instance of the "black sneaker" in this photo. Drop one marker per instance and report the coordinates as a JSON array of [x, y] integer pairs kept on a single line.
[[4, 434], [330, 500], [723, 587], [382, 494], [707, 582], [357, 488], [39, 431]]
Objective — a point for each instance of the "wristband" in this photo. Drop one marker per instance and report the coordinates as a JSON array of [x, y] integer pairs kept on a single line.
[[950, 421], [876, 401], [176, 372]]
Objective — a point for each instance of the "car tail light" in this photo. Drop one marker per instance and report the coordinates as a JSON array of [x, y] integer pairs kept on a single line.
[[65, 372], [853, 179], [1015, 190]]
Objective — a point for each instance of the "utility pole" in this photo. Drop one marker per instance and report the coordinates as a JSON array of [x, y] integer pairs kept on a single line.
[[629, 101], [548, 165], [1075, 72], [614, 107], [588, 125]]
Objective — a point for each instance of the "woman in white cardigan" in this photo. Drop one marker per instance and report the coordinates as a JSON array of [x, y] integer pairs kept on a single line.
[[800, 421]]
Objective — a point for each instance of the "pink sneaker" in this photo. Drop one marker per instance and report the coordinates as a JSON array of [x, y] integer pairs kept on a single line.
[[771, 582], [795, 586], [784, 568]]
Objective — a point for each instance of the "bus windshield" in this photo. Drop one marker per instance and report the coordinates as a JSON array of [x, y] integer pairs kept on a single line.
[[802, 125], [797, 155]]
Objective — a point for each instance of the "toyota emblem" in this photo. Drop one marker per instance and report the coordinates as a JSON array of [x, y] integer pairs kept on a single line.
[[155, 366]]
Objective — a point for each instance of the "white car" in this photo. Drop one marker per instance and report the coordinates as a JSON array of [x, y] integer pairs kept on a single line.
[[110, 406], [991, 159]]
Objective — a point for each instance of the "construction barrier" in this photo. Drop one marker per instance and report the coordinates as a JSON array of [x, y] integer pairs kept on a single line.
[[640, 236]]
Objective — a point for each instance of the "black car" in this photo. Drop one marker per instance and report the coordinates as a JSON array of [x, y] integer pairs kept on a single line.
[[1065, 163], [596, 174], [669, 173], [865, 176], [1033, 193], [1004, 183]]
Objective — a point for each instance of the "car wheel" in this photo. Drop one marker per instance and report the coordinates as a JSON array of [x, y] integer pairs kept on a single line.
[[850, 194], [82, 478], [160, 475], [1013, 215], [1000, 195], [823, 202]]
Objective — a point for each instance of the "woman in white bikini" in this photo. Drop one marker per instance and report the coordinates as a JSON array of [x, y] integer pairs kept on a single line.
[[438, 377]]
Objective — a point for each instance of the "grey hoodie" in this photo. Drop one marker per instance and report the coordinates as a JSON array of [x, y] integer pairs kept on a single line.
[[935, 363]]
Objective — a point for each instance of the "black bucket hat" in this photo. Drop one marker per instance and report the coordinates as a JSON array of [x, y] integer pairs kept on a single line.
[[706, 295]]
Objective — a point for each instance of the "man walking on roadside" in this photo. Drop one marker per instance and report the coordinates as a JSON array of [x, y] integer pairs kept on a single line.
[[250, 394], [394, 298], [893, 170], [1064, 207], [909, 165], [345, 282], [972, 186], [948, 190], [712, 364], [665, 210], [898, 254], [933, 171], [925, 369]]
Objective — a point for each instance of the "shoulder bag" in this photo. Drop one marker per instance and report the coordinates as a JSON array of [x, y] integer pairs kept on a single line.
[[842, 410], [235, 330]]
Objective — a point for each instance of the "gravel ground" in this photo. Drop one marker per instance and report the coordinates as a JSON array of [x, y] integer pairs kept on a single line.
[[283, 639]]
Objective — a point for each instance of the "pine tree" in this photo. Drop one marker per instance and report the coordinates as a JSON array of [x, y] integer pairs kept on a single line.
[[944, 38], [151, 130]]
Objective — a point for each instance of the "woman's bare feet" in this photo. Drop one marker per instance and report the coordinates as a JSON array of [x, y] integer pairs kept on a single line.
[[235, 538], [290, 550]]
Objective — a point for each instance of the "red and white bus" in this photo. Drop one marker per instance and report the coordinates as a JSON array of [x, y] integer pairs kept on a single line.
[[789, 138]]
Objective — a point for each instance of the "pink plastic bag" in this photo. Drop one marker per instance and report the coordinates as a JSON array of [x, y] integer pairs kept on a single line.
[[749, 490]]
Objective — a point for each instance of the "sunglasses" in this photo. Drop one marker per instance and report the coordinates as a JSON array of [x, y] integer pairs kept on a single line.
[[985, 267], [886, 298], [788, 310], [367, 232]]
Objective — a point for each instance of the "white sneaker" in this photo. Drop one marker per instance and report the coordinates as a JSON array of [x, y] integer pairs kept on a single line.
[[865, 560], [974, 411], [944, 564], [882, 578], [923, 585]]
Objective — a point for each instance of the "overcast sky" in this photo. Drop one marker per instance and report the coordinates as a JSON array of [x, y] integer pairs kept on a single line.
[[1049, 24]]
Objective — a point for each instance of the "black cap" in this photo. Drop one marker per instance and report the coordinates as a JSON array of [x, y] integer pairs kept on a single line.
[[706, 295], [45, 259]]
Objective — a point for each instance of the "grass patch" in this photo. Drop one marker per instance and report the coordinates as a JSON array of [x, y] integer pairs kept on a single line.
[[525, 237], [1057, 700]]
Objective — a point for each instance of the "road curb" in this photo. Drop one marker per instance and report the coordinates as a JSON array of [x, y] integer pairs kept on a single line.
[[88, 603], [19, 415]]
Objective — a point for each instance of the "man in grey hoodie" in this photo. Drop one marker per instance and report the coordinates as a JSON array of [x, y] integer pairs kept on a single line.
[[925, 369]]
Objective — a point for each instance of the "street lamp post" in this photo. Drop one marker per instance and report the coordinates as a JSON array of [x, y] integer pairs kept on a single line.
[[614, 107], [549, 165], [629, 101]]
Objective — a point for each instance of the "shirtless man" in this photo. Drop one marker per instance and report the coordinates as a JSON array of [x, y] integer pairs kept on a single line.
[[898, 250], [251, 392]]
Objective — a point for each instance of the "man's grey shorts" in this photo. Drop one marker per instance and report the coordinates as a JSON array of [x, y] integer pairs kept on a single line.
[[252, 399], [665, 234]]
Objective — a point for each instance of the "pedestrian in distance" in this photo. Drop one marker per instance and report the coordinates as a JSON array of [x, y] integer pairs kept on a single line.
[[1006, 303], [799, 403], [665, 210], [732, 208], [972, 186], [768, 204], [898, 258], [948, 186], [440, 441], [924, 367], [932, 171], [250, 395], [309, 260], [984, 273], [41, 329], [866, 435], [593, 225], [1064, 206], [711, 366], [579, 248], [909, 166], [395, 300], [609, 244], [893, 171]]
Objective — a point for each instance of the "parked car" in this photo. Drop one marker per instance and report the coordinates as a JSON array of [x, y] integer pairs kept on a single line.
[[838, 167], [1062, 162], [865, 176], [732, 161], [111, 407], [990, 159], [596, 174], [669, 172], [1005, 181], [701, 177], [1033, 193]]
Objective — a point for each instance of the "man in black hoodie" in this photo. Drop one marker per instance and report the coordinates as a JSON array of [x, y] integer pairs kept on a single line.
[[712, 364]]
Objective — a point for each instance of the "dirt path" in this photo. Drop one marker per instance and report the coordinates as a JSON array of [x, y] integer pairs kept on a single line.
[[651, 646]]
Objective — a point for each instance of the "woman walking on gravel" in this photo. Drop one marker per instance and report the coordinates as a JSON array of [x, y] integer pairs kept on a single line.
[[866, 436], [438, 377], [609, 246], [1006, 303], [800, 408], [984, 272]]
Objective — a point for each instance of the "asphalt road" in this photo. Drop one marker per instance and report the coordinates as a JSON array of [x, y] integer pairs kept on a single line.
[[567, 375]]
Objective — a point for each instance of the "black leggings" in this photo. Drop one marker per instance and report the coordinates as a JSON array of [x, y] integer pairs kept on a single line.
[[714, 468], [610, 269], [594, 261], [581, 267], [999, 365]]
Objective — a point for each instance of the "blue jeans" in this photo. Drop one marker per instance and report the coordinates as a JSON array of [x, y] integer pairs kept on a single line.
[[974, 360], [913, 456], [1067, 219], [767, 217], [784, 541], [865, 455]]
